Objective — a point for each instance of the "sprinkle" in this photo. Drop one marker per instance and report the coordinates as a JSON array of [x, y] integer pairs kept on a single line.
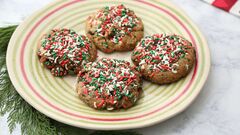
[[110, 108], [95, 105], [187, 66], [66, 48], [109, 79], [101, 103], [115, 20], [58, 71], [161, 52]]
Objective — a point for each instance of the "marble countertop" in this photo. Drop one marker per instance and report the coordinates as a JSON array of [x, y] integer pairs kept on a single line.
[[215, 111]]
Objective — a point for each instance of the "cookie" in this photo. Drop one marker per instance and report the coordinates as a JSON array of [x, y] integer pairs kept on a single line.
[[114, 28], [164, 58], [63, 51], [109, 84]]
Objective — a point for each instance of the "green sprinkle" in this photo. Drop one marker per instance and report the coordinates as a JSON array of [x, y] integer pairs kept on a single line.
[[105, 44], [152, 52]]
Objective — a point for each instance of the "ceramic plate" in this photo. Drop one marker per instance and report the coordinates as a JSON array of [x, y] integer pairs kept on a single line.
[[56, 97]]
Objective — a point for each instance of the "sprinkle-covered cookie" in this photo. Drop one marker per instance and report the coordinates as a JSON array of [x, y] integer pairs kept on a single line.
[[63, 51], [164, 58], [109, 84], [114, 28]]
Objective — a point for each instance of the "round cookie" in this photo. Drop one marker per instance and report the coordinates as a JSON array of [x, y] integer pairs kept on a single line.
[[63, 51], [164, 58], [109, 84], [114, 28]]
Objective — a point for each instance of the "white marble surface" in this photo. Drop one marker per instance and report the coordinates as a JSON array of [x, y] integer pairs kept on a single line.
[[216, 111]]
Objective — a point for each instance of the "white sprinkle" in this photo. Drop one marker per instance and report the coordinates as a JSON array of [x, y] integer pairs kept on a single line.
[[165, 59], [187, 66], [142, 62], [142, 67], [95, 105], [66, 67], [174, 69], [127, 92], [135, 99], [110, 108], [55, 61]]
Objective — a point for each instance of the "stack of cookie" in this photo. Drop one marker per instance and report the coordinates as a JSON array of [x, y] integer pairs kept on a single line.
[[111, 84]]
